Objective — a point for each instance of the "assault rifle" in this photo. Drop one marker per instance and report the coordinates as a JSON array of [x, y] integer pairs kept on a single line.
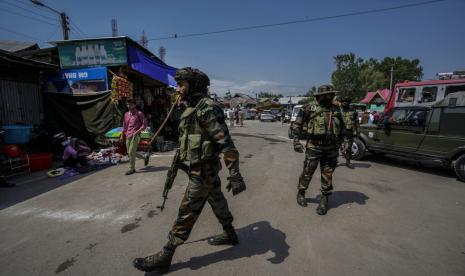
[[171, 175]]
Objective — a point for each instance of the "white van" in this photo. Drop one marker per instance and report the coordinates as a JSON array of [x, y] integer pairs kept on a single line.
[[295, 112]]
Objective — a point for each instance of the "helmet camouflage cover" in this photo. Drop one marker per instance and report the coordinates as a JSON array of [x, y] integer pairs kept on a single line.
[[197, 79], [325, 89]]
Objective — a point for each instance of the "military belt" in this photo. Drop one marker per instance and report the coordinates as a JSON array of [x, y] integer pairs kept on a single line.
[[322, 142]]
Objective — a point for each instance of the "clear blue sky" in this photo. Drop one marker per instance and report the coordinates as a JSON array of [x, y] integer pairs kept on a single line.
[[286, 59]]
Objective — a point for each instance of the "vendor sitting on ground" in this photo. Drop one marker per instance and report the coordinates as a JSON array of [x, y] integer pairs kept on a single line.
[[75, 152]]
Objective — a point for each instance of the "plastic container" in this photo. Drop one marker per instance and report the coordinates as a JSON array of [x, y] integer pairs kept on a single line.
[[40, 161], [12, 151], [17, 134]]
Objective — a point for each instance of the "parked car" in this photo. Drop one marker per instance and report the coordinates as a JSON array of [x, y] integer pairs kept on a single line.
[[266, 115], [427, 134]]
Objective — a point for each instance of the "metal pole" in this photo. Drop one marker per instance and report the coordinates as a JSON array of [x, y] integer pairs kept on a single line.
[[63, 18], [64, 25], [392, 73]]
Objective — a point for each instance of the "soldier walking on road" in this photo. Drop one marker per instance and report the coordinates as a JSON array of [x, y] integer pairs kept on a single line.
[[322, 123], [350, 129], [204, 136]]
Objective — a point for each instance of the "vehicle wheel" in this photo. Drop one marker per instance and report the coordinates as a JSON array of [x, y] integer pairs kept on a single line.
[[289, 133], [358, 149], [459, 167]]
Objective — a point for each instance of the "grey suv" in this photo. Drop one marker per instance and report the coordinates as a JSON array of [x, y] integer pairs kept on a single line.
[[434, 133]]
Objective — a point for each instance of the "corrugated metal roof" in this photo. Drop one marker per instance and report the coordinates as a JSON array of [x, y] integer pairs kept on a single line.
[[15, 46], [15, 59]]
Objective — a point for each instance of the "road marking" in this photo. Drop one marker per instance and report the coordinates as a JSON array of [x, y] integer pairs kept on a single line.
[[285, 138], [70, 215]]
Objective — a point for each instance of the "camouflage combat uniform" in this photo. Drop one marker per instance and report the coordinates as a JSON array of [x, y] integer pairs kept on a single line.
[[350, 129], [203, 136], [322, 124]]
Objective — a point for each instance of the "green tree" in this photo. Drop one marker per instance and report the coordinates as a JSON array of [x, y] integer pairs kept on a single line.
[[346, 76], [354, 76], [310, 92], [404, 69], [371, 79]]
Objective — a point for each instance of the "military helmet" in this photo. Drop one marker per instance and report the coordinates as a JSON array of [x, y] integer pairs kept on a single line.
[[198, 80], [325, 89]]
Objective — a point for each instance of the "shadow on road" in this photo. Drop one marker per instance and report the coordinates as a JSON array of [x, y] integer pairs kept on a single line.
[[153, 169], [254, 239], [339, 198], [356, 165]]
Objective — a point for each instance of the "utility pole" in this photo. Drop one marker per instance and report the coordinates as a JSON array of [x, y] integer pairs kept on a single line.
[[64, 25], [63, 18], [143, 40], [114, 28], [162, 53], [392, 75]]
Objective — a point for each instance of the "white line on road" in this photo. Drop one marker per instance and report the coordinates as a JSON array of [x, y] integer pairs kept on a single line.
[[69, 215], [285, 138]]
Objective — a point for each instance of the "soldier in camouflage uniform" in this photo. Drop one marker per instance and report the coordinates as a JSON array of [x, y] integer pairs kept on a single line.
[[322, 123], [203, 137], [350, 129]]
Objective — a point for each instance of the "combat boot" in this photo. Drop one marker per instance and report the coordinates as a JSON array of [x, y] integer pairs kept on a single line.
[[301, 198], [323, 205], [228, 237], [349, 165], [159, 262]]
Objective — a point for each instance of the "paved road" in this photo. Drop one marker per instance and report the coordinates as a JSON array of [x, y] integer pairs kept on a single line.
[[386, 218]]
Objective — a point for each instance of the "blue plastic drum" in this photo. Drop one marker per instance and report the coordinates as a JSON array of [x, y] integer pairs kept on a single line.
[[17, 134]]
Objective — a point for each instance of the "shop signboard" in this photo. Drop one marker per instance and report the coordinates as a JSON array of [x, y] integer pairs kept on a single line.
[[78, 81], [96, 52]]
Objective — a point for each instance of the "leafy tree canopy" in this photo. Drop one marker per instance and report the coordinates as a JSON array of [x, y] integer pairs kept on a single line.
[[354, 76]]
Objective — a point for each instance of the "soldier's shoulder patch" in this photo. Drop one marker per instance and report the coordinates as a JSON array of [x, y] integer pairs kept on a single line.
[[312, 107], [208, 109]]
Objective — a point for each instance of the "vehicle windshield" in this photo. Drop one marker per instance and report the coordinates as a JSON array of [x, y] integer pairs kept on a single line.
[[295, 111], [266, 112]]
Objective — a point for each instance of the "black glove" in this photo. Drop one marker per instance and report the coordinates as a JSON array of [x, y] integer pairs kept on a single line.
[[298, 147], [236, 184]]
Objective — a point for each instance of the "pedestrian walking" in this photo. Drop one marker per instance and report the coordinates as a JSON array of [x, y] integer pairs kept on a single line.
[[241, 114], [133, 124], [231, 117]]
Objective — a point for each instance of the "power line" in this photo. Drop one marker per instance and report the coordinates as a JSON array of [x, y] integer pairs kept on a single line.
[[27, 3], [76, 33], [54, 33], [175, 36], [21, 34], [33, 12], [77, 29], [26, 16]]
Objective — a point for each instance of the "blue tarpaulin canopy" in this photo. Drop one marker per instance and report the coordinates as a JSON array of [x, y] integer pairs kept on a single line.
[[141, 62]]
